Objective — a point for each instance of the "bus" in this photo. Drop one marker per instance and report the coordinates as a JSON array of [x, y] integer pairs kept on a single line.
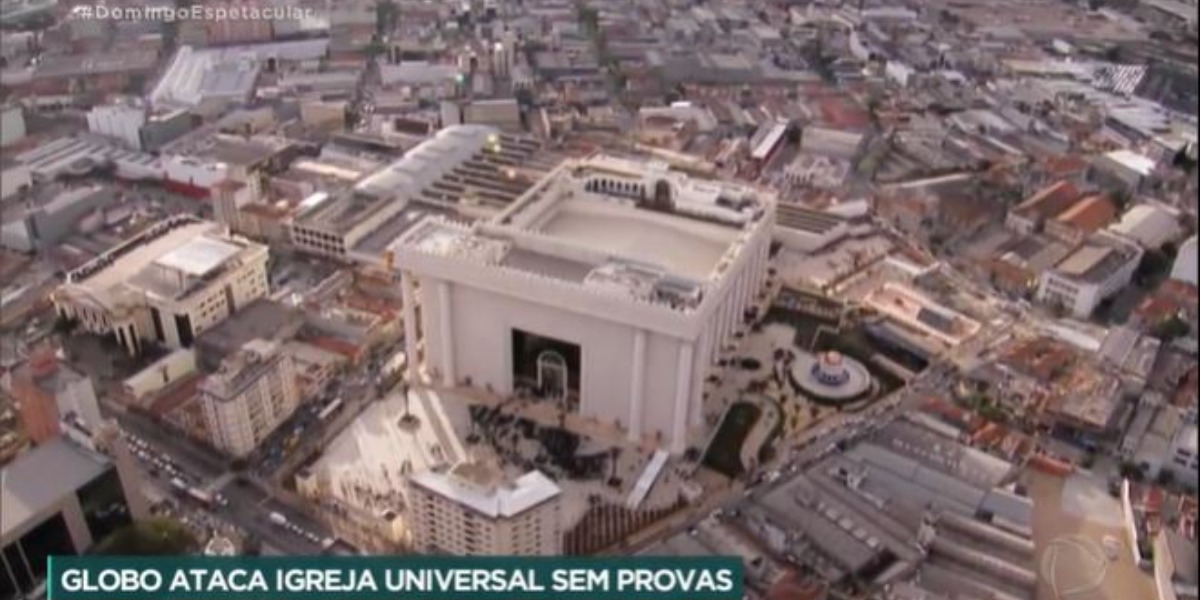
[[203, 497], [329, 410]]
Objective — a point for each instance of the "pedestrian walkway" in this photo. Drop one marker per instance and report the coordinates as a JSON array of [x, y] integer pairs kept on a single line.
[[759, 433]]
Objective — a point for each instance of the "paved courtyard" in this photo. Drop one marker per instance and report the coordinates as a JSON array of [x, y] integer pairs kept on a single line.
[[365, 465], [1075, 525]]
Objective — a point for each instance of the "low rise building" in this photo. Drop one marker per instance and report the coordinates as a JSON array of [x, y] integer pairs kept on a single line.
[[43, 223], [471, 510], [47, 392], [1086, 217], [165, 285], [248, 397], [1150, 225], [1184, 268], [466, 172], [1097, 269], [136, 126], [15, 179], [806, 229], [1047, 203], [1123, 170], [12, 124]]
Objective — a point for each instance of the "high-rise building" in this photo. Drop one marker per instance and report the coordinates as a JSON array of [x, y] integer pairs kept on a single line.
[[473, 510], [57, 499], [248, 397], [165, 285]]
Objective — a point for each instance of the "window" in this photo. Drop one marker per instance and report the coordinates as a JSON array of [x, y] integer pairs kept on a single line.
[[103, 504], [50, 538]]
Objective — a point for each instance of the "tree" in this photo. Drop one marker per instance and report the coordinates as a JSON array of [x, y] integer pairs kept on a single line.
[[154, 537], [386, 17], [1154, 264], [589, 18], [1172, 328]]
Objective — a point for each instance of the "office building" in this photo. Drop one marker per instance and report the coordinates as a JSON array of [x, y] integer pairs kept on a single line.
[[471, 510], [57, 499], [248, 397], [610, 287], [165, 285]]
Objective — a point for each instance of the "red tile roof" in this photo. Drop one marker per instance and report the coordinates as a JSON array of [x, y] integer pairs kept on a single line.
[[1049, 201], [1090, 214]]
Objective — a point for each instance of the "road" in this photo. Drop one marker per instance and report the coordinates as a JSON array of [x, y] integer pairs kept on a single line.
[[812, 445], [250, 501]]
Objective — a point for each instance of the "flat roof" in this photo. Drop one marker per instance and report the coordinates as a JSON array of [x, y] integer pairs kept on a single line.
[[198, 256], [469, 486], [595, 223], [650, 240], [184, 243], [806, 219], [1133, 161], [377, 241], [74, 65], [460, 165], [25, 488], [1096, 259], [127, 260], [262, 318], [1089, 396]]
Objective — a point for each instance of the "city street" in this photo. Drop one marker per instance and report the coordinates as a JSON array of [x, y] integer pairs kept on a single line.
[[809, 447], [250, 501]]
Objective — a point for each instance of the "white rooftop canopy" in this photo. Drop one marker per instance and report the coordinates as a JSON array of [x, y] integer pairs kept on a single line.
[[199, 256]]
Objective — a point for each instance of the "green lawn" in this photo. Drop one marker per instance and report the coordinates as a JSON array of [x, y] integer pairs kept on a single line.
[[725, 453]]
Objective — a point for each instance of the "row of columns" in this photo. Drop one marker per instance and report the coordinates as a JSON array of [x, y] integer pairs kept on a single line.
[[444, 325], [637, 384], [408, 298]]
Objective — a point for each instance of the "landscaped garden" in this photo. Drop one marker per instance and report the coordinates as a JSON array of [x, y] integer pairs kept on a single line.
[[725, 452]]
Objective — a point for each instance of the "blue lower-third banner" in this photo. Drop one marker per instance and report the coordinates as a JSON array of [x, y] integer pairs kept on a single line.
[[407, 577]]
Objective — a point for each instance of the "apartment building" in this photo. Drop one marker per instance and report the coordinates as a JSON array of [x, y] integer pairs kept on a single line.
[[473, 510], [252, 392], [166, 285]]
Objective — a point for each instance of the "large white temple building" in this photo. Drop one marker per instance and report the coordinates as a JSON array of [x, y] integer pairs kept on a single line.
[[610, 286]]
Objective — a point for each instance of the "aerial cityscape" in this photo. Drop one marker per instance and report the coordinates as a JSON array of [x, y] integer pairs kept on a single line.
[[888, 299]]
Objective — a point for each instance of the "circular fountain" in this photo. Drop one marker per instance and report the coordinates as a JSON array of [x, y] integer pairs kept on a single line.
[[830, 376]]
